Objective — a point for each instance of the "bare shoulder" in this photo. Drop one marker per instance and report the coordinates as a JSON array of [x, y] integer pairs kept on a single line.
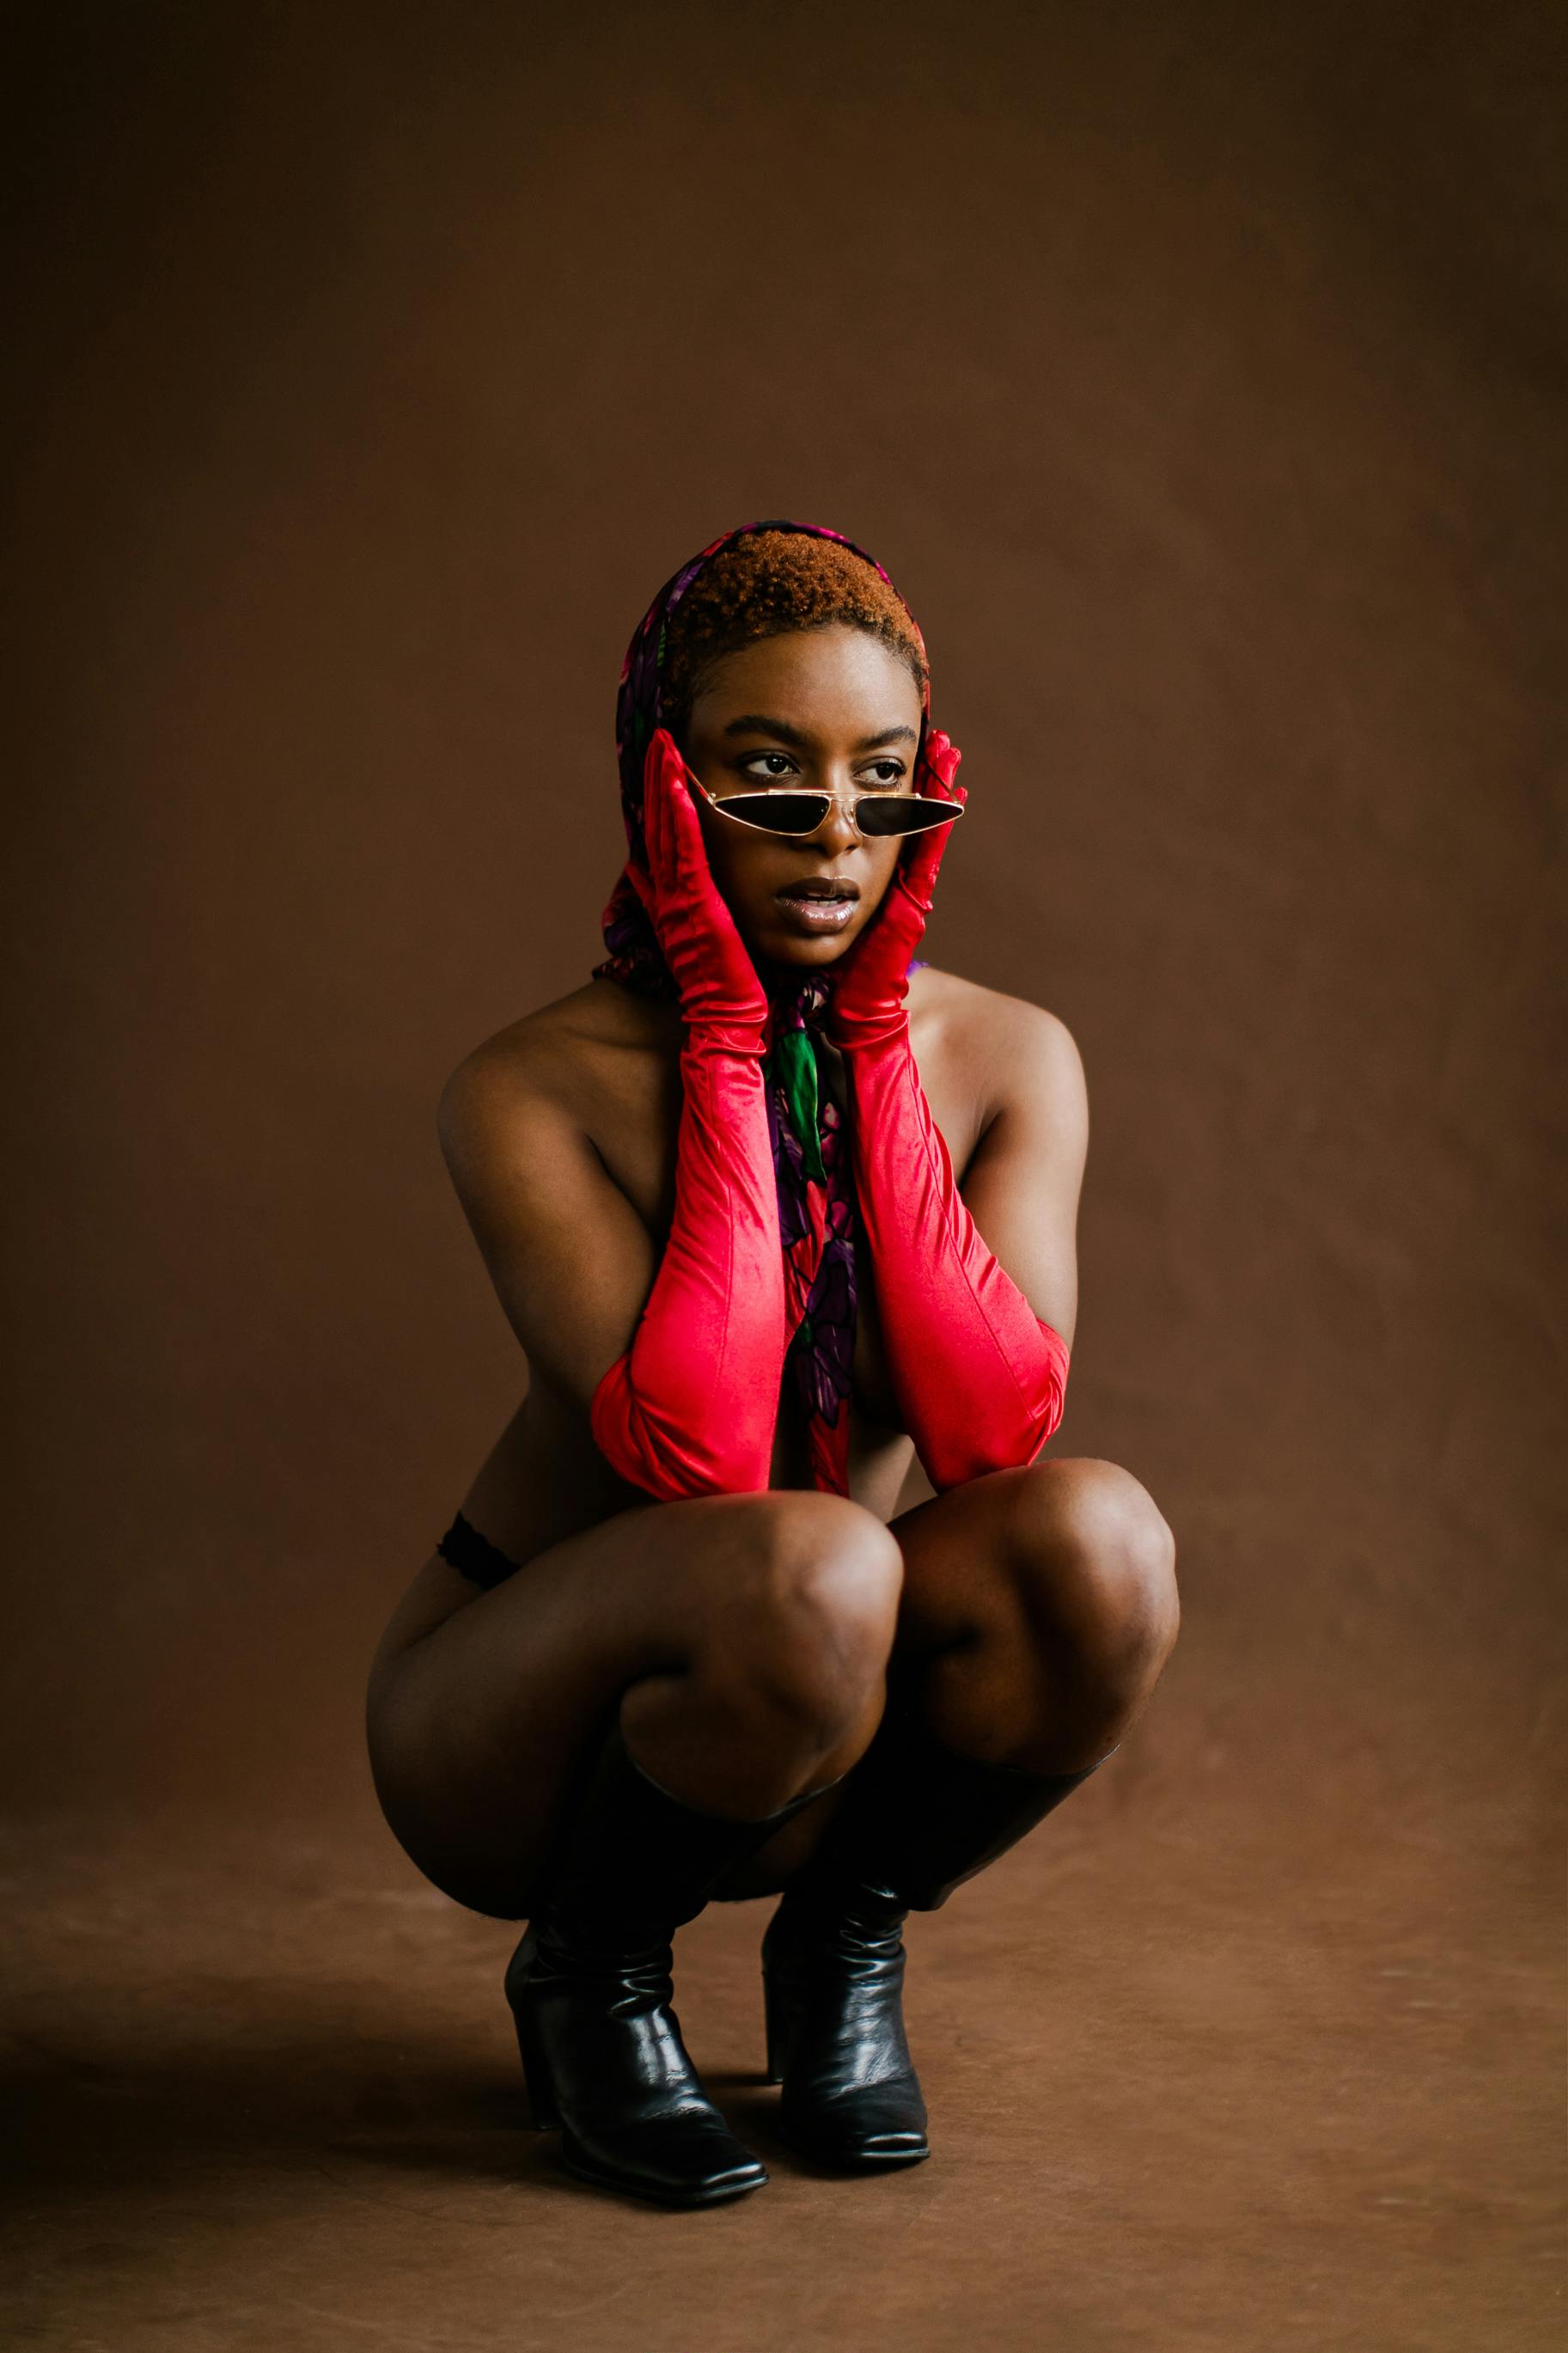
[[577, 1052], [1011, 1052]]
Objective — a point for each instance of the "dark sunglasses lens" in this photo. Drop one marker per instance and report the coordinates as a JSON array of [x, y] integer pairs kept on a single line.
[[777, 812], [905, 813]]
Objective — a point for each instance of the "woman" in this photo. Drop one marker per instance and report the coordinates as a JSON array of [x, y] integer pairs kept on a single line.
[[770, 1204]]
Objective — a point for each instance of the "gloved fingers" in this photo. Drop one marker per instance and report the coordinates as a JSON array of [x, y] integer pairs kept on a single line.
[[683, 846], [688, 850], [655, 829], [919, 876], [697, 932], [941, 762], [680, 864], [939, 766]]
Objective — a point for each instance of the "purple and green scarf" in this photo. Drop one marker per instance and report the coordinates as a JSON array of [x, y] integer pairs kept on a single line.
[[803, 1073]]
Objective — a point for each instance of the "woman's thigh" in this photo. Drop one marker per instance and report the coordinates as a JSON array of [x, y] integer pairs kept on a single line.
[[477, 1726]]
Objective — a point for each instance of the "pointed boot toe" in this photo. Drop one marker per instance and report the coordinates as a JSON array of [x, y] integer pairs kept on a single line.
[[869, 2128], [688, 2158]]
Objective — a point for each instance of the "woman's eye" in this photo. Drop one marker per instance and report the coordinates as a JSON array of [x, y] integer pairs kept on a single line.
[[777, 767]]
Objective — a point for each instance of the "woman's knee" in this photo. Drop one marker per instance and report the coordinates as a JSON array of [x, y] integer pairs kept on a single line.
[[810, 1618], [1095, 1562]]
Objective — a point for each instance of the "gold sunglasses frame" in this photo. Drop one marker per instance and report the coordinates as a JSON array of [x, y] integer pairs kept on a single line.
[[782, 833]]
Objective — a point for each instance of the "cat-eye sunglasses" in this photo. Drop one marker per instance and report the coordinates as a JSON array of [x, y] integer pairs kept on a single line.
[[797, 814]]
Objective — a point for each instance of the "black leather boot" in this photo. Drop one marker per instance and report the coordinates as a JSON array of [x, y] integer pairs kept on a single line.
[[590, 1987], [916, 1822]]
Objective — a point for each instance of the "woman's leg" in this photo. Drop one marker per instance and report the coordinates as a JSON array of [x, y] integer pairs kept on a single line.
[[1039, 1606], [744, 1639], [1039, 1609]]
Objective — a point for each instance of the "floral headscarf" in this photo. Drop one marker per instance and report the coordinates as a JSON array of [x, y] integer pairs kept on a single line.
[[803, 1073]]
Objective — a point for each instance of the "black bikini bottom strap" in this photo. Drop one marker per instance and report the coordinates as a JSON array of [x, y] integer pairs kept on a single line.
[[474, 1556]]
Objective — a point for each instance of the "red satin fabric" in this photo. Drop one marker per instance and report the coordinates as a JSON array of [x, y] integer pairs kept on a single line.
[[980, 1379], [690, 1409]]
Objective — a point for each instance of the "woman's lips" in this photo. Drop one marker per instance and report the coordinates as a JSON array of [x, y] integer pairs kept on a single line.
[[815, 914]]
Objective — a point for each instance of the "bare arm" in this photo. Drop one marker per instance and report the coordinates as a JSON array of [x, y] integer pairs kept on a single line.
[[676, 1355], [571, 1260], [1026, 1175]]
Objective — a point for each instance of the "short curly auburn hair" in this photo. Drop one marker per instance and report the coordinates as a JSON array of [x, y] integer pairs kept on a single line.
[[765, 586]]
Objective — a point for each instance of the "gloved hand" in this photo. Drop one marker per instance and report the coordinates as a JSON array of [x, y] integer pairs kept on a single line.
[[721, 995], [870, 980], [689, 1407], [979, 1378]]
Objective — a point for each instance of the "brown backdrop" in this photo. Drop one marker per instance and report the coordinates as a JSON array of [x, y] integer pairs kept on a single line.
[[1199, 374], [1197, 385]]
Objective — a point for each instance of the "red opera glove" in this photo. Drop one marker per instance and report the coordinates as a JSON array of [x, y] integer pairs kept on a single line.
[[690, 1409], [979, 1378]]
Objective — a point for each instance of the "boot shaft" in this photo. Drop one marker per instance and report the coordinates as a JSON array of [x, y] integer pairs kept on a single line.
[[919, 1820], [631, 1862]]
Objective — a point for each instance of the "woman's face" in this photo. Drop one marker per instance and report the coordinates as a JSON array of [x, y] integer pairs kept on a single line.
[[830, 710]]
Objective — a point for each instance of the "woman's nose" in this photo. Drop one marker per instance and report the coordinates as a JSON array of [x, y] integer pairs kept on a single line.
[[838, 829]]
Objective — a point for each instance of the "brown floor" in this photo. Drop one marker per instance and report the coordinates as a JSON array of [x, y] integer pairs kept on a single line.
[[1189, 2089]]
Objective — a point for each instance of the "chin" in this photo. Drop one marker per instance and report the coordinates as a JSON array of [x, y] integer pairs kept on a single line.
[[791, 948]]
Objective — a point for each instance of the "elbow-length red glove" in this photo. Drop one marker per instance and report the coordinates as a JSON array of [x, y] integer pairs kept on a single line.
[[979, 1378], [690, 1409]]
